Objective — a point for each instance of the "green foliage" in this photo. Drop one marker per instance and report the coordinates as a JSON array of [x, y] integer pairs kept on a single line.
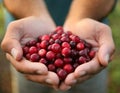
[[114, 68]]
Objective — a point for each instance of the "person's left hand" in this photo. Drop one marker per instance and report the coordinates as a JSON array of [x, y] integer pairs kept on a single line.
[[100, 37]]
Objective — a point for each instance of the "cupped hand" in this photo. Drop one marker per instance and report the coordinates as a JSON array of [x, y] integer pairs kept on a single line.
[[18, 33], [100, 37]]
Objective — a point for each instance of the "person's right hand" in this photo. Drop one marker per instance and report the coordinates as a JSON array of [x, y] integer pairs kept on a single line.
[[18, 33]]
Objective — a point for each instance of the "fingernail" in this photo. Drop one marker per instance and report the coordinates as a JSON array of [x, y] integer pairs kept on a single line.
[[14, 52], [69, 87], [39, 72], [107, 58], [49, 81], [82, 73]]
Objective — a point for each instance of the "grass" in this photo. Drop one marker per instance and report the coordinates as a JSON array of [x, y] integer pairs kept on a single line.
[[1, 23], [114, 69]]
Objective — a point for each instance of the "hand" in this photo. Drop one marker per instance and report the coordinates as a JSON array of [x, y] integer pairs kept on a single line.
[[100, 37], [18, 33]]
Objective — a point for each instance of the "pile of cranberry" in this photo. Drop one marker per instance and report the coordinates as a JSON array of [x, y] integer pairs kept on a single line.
[[60, 51]]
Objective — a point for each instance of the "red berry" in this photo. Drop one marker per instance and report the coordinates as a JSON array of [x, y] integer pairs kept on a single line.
[[66, 52], [51, 67], [55, 36], [65, 44], [51, 41], [33, 49], [65, 39], [74, 38], [44, 44], [62, 74], [59, 62], [43, 60], [58, 41], [45, 37], [59, 29], [33, 42], [82, 60], [34, 57], [72, 44], [80, 46], [56, 47], [42, 52], [68, 68], [27, 56], [25, 50], [50, 55], [67, 60], [92, 54], [38, 45]]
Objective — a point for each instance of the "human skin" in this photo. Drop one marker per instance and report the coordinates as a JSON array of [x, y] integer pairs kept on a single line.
[[75, 21]]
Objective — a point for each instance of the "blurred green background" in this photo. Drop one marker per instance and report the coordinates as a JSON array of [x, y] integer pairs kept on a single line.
[[114, 67]]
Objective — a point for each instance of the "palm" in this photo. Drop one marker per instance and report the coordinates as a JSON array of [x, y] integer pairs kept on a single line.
[[31, 28]]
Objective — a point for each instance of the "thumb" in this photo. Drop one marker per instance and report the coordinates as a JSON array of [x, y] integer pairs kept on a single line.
[[107, 47], [11, 44], [12, 47]]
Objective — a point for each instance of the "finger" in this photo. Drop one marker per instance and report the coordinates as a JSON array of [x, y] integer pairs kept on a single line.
[[64, 87], [25, 66], [84, 78], [90, 68], [107, 47], [10, 43], [70, 79], [50, 79]]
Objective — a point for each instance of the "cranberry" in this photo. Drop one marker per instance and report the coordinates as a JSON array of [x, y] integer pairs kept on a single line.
[[69, 33], [42, 52], [28, 56], [33, 49], [58, 55], [38, 45], [44, 44], [25, 50], [51, 41], [65, 44], [58, 41], [74, 38], [67, 60], [34, 57], [65, 39], [92, 54], [59, 29], [82, 60], [31, 43], [66, 52], [56, 36], [68, 68], [56, 47], [73, 44], [74, 53], [80, 46], [62, 74], [51, 67], [59, 62], [43, 60], [50, 55], [45, 37]]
